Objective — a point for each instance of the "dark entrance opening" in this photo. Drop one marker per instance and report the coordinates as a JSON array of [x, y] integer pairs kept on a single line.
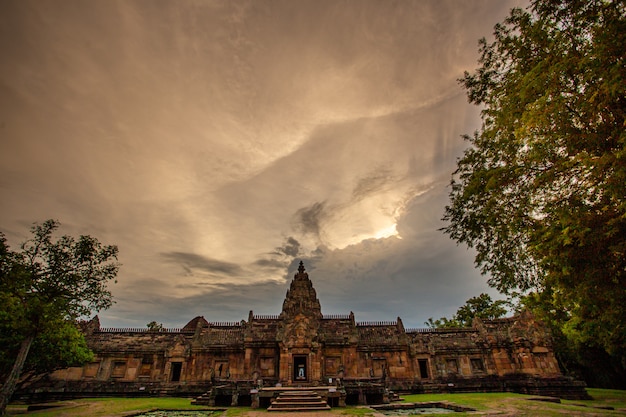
[[265, 402], [299, 368], [374, 398], [423, 363], [177, 367], [352, 398], [222, 400], [245, 401]]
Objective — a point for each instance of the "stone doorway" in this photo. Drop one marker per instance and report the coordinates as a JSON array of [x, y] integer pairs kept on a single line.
[[423, 364], [300, 371], [177, 367]]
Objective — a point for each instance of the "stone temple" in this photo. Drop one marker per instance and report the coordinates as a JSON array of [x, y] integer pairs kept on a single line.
[[255, 361]]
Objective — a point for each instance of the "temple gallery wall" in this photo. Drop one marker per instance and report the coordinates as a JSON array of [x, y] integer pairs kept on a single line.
[[346, 361]]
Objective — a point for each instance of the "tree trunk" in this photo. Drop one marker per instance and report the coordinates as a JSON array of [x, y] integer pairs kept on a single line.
[[11, 382]]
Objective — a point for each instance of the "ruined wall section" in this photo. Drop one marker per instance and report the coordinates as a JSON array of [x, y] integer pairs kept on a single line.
[[520, 344], [261, 349], [451, 353], [219, 352], [514, 345], [127, 356], [491, 355], [383, 351]]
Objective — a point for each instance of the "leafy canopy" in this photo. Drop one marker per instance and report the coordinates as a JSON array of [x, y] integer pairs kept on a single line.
[[481, 306], [541, 192], [44, 288]]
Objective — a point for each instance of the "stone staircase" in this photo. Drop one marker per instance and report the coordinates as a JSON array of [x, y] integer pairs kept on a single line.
[[204, 399], [300, 400]]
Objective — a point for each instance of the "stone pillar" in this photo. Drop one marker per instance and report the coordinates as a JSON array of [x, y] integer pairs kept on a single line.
[[342, 398], [248, 366], [284, 367]]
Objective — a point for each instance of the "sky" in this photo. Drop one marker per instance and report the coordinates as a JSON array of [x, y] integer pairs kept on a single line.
[[219, 143]]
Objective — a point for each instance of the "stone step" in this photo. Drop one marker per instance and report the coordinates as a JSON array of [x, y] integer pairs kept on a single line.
[[297, 409], [297, 393], [298, 401], [303, 403], [287, 407]]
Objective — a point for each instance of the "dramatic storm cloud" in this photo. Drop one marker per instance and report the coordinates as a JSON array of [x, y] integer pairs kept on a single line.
[[218, 143]]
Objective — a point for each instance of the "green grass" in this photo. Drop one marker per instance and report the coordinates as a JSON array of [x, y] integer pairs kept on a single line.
[[100, 407], [520, 405], [237, 411], [610, 397], [484, 403], [478, 401]]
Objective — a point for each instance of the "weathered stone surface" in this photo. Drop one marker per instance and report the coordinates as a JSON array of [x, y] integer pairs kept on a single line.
[[302, 347]]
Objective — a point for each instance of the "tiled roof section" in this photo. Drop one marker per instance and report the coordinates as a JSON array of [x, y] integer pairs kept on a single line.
[[445, 339], [223, 335], [523, 328], [193, 324], [339, 330], [262, 329], [379, 334], [442, 330], [134, 341]]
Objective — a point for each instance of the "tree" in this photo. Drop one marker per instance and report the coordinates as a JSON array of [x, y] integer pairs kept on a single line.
[[48, 284], [482, 307], [540, 194], [153, 326], [59, 345], [583, 358], [442, 323]]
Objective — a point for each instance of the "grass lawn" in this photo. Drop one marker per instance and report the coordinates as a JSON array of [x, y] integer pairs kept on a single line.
[[492, 404]]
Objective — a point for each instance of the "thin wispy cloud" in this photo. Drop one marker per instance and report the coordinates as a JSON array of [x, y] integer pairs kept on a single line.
[[217, 143]]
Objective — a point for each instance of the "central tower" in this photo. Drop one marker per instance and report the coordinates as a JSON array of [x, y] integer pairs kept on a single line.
[[298, 331]]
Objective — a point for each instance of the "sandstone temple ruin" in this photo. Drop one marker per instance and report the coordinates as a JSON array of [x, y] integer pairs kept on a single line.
[[344, 361]]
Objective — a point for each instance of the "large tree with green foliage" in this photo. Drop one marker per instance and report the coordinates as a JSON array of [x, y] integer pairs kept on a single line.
[[59, 345], [481, 306], [540, 193], [44, 288]]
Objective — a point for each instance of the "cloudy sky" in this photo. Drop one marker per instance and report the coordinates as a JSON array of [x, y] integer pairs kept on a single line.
[[218, 143]]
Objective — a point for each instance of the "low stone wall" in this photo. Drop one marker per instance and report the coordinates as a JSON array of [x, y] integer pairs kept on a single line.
[[560, 387], [430, 404], [64, 390]]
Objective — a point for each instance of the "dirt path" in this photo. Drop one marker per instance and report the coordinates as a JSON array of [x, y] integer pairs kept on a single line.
[[335, 413], [299, 414]]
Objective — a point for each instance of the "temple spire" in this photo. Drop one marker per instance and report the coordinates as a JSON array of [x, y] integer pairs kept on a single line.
[[301, 297]]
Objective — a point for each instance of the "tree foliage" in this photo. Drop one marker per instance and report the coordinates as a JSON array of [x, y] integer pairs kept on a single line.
[[153, 326], [59, 345], [481, 306], [541, 192], [583, 358], [44, 288]]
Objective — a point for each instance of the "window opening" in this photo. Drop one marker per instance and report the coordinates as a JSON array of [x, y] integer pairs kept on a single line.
[[477, 365], [119, 370]]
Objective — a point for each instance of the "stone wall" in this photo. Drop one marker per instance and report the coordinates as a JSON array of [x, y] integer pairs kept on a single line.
[[513, 353]]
